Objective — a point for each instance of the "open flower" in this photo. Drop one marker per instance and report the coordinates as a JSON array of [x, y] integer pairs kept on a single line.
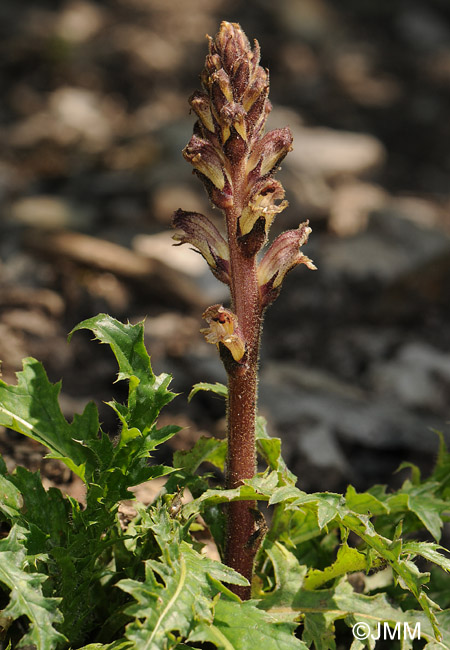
[[262, 204], [283, 255], [196, 229], [223, 328]]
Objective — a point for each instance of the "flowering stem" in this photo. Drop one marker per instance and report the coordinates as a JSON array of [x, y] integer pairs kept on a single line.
[[242, 395], [235, 159]]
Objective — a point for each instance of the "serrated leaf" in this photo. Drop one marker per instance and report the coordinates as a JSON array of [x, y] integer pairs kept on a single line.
[[405, 571], [26, 597], [429, 551], [321, 608], [259, 488], [116, 645], [147, 393], [209, 450], [348, 560], [422, 501], [415, 471], [45, 514], [31, 408], [242, 626], [11, 500], [217, 388], [270, 450], [364, 503], [177, 594], [289, 577]]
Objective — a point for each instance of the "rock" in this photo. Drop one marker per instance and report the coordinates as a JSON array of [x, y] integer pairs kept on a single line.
[[104, 255], [13, 349], [20, 297], [30, 321], [332, 153], [417, 377], [352, 415], [422, 27], [321, 448], [183, 260], [423, 212], [79, 20], [167, 198], [307, 20], [389, 247], [171, 334], [351, 205], [162, 247], [357, 75], [50, 212]]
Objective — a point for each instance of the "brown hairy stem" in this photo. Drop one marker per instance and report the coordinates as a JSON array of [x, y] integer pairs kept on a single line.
[[242, 395]]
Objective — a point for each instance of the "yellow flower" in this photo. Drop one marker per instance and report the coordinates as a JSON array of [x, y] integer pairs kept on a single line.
[[223, 328]]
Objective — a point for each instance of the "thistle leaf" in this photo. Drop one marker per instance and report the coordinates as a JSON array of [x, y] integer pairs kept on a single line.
[[26, 597], [217, 388], [147, 393], [242, 626], [31, 408], [178, 592]]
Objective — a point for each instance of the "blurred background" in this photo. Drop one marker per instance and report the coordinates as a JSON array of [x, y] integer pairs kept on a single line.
[[355, 362]]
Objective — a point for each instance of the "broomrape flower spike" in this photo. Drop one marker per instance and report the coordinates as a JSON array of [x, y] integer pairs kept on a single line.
[[236, 161]]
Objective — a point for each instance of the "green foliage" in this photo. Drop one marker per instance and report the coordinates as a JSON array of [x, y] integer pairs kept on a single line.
[[72, 577]]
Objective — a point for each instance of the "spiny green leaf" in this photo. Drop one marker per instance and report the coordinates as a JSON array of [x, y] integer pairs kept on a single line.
[[429, 551], [176, 596], [415, 471], [122, 644], [364, 503], [45, 514], [348, 560], [289, 576], [218, 389], [209, 450], [32, 408], [242, 626], [256, 489], [321, 608], [147, 393], [270, 450], [26, 597], [421, 500], [11, 500]]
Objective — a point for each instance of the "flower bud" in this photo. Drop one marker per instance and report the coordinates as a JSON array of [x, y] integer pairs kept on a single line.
[[230, 44], [196, 229], [200, 104], [240, 77], [283, 255], [223, 329]]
